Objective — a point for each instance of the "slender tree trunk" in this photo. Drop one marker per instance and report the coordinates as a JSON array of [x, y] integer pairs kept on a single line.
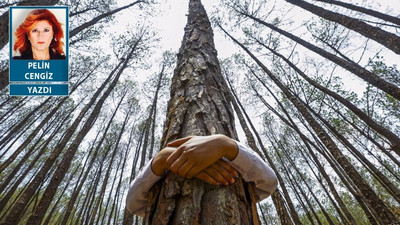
[[15, 213], [198, 106], [4, 77], [89, 198], [100, 17], [71, 14], [15, 108], [77, 190], [31, 136], [116, 197], [22, 161], [293, 125], [128, 217], [372, 216], [50, 215], [263, 214], [394, 139], [308, 142], [353, 67], [20, 125], [369, 138], [385, 38], [293, 212], [146, 133], [105, 181], [373, 199], [276, 197], [382, 179], [293, 165], [7, 196], [296, 191], [331, 186], [328, 194], [370, 12], [40, 210], [153, 119], [106, 211]]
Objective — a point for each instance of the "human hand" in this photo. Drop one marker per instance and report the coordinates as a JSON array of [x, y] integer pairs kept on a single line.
[[196, 153], [218, 173], [159, 164]]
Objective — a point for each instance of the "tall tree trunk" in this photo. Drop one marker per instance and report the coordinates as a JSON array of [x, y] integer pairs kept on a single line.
[[23, 122], [37, 145], [50, 215], [353, 67], [382, 179], [370, 12], [369, 138], [39, 211], [153, 119], [15, 108], [389, 40], [128, 217], [84, 209], [293, 165], [308, 142], [98, 18], [78, 188], [118, 191], [276, 196], [7, 196], [395, 141], [15, 213], [373, 199], [105, 181], [341, 215], [198, 106], [293, 125], [4, 77]]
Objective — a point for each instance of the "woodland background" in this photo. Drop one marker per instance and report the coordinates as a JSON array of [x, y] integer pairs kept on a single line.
[[299, 77]]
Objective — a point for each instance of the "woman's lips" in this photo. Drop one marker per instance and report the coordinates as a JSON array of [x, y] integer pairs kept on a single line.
[[40, 42]]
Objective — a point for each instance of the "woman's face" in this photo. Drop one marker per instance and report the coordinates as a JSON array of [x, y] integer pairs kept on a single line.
[[41, 35]]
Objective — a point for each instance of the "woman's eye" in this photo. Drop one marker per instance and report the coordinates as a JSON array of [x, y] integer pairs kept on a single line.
[[46, 30], [34, 30]]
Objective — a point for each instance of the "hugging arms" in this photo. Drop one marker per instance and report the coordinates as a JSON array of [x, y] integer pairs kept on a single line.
[[215, 159]]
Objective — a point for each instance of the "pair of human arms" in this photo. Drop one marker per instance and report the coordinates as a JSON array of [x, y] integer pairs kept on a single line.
[[200, 157], [191, 157]]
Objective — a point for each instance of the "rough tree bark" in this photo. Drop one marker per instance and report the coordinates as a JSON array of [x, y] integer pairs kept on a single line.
[[199, 106]]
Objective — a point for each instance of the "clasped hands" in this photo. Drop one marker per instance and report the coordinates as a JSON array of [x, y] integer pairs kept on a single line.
[[200, 157]]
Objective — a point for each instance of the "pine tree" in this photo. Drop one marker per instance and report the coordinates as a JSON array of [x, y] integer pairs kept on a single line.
[[199, 105]]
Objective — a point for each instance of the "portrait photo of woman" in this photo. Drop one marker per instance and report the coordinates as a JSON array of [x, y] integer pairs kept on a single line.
[[39, 37]]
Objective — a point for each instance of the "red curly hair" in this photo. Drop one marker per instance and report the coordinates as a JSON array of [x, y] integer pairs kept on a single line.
[[22, 44]]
